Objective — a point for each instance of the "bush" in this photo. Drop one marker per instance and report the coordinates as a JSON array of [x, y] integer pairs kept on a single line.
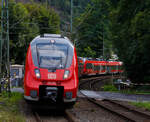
[[109, 88], [145, 105]]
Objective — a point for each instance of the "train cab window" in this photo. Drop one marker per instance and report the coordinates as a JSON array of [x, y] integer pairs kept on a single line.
[[61, 51], [113, 67], [52, 55]]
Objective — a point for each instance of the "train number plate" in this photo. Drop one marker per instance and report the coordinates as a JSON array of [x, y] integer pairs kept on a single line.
[[51, 76]]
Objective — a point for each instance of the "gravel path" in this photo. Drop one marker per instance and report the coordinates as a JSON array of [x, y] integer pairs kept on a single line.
[[115, 96]]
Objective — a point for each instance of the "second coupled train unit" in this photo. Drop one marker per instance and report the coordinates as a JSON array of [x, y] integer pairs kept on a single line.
[[94, 66], [51, 70]]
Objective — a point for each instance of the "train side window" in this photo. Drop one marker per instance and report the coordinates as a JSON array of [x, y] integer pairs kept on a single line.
[[103, 67], [114, 67], [96, 67], [121, 67], [89, 66], [111, 67]]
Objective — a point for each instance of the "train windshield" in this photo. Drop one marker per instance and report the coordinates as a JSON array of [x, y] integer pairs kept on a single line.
[[52, 56]]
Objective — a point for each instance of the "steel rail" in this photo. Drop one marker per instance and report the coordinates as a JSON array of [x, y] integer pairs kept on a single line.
[[37, 117], [92, 80], [117, 112], [145, 115], [70, 117]]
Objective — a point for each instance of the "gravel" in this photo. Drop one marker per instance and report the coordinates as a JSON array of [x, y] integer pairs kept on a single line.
[[88, 112]]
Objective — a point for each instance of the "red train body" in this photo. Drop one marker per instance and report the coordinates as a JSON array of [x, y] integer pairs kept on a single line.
[[114, 67], [93, 67], [51, 70]]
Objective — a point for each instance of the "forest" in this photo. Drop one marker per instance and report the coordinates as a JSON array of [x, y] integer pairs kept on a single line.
[[100, 28]]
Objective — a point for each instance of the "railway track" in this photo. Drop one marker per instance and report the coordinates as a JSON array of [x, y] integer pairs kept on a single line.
[[66, 117], [128, 114], [91, 81]]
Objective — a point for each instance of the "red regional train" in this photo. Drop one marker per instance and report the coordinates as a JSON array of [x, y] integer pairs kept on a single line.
[[97, 66], [51, 70]]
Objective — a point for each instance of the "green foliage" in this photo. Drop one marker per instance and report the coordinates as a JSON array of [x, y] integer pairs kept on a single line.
[[63, 8], [92, 28], [13, 98], [130, 27], [145, 105], [9, 107], [109, 88], [26, 22]]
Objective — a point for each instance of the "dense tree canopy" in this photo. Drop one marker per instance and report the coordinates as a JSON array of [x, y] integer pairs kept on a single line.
[[130, 35], [101, 27], [26, 22], [92, 28], [124, 26]]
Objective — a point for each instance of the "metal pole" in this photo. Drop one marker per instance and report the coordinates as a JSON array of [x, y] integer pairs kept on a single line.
[[4, 56], [7, 37], [46, 4], [71, 11], [103, 42], [0, 54], [1, 43]]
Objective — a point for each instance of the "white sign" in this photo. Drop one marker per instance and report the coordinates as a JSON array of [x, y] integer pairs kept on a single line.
[[51, 76]]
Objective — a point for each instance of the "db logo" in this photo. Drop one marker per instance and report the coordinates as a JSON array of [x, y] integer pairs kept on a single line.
[[51, 76]]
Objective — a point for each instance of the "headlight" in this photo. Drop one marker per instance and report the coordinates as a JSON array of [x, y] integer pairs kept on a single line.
[[66, 74], [37, 73]]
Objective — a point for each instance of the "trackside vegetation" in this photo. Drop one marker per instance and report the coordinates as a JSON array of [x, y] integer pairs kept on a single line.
[[132, 90], [145, 105], [9, 108], [110, 88], [117, 26]]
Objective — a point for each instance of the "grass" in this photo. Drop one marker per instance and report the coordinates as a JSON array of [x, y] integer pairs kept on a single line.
[[134, 90], [145, 105], [109, 88], [9, 108]]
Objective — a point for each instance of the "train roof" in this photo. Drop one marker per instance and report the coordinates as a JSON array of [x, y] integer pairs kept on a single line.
[[111, 63], [90, 61], [46, 38]]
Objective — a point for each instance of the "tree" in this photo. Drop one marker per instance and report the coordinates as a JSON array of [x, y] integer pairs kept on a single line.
[[130, 34], [91, 28], [46, 19], [18, 29], [26, 22]]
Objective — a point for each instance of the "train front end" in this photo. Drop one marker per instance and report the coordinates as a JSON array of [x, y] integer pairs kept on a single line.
[[51, 70]]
